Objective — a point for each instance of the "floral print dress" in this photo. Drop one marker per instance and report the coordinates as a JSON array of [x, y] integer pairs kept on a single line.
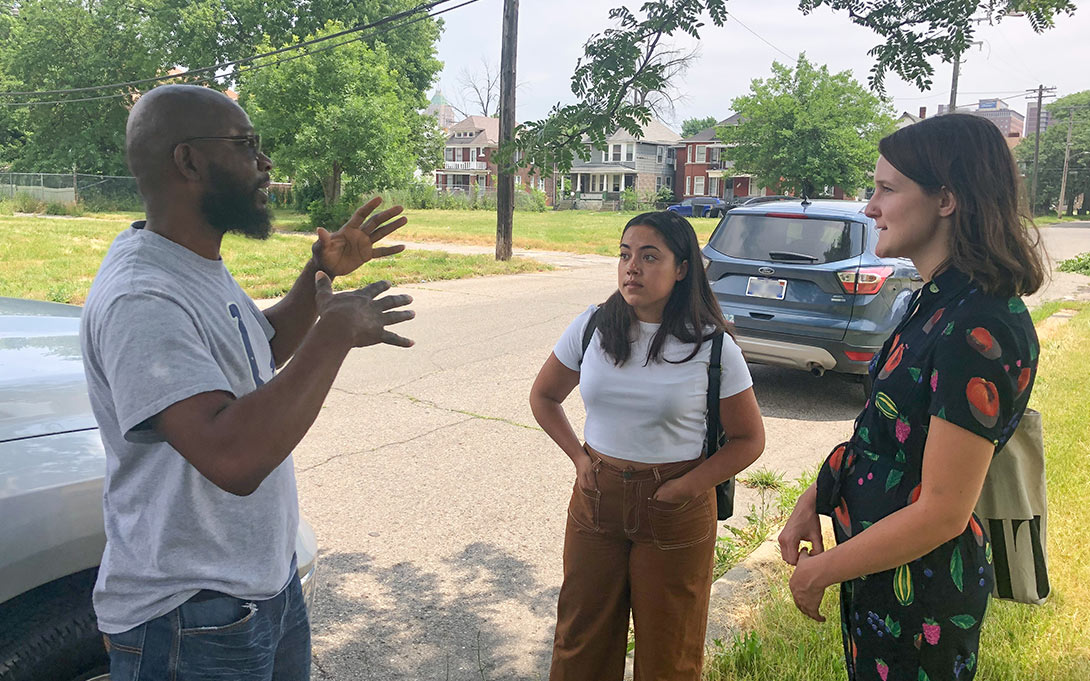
[[968, 358]]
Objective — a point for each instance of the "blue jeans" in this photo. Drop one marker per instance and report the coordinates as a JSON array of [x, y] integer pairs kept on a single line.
[[216, 637]]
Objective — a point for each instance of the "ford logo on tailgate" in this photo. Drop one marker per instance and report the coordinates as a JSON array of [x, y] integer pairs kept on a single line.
[[766, 270]]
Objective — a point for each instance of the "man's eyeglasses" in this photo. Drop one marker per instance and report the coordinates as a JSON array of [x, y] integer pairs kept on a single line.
[[252, 142]]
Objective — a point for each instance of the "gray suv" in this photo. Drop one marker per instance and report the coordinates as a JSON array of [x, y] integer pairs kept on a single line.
[[802, 285], [51, 473]]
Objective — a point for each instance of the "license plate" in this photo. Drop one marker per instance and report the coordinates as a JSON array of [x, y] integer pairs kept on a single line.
[[760, 287]]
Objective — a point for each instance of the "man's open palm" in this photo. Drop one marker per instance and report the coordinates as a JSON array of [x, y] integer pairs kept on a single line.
[[353, 244]]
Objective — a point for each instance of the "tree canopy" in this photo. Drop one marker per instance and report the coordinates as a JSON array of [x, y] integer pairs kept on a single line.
[[691, 126], [616, 62], [803, 129], [344, 111]]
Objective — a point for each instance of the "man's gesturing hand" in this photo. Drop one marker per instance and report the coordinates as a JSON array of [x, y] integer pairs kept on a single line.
[[354, 243], [359, 317]]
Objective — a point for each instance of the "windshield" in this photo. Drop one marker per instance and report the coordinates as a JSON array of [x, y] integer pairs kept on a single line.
[[788, 239]]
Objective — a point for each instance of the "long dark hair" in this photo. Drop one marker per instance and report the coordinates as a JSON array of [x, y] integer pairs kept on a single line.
[[994, 239], [689, 311]]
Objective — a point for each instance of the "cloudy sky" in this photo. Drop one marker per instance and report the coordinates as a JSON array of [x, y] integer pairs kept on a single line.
[[1011, 59]]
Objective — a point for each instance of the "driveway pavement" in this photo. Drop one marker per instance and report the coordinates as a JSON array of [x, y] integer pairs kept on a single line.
[[438, 503]]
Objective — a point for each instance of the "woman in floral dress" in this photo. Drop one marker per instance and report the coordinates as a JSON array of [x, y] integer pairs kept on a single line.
[[950, 385]]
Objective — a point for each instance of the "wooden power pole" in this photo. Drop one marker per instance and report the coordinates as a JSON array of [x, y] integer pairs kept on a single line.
[[1041, 91], [1067, 160], [505, 189]]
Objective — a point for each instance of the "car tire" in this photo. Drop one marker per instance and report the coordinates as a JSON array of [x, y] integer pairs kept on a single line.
[[52, 633]]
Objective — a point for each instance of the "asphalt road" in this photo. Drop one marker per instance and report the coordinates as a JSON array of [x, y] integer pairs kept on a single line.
[[439, 504]]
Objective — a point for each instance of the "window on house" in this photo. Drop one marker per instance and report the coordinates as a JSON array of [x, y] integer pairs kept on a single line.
[[617, 183], [659, 154], [616, 152], [669, 182], [713, 186], [688, 185], [658, 183], [701, 153], [630, 152], [518, 180], [692, 153], [448, 154], [698, 186]]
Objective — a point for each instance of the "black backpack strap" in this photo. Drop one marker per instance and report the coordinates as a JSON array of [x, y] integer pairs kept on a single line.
[[714, 375], [588, 332]]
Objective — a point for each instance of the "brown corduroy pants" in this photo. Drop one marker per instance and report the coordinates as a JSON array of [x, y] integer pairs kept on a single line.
[[625, 552]]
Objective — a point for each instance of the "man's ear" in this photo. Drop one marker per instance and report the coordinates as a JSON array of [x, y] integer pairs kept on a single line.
[[186, 162], [948, 203]]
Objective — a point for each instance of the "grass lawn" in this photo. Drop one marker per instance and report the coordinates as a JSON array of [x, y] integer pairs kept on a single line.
[[1051, 219], [1019, 642], [56, 259], [575, 231]]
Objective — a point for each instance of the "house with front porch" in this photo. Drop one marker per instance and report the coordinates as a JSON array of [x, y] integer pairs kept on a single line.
[[467, 159], [644, 163]]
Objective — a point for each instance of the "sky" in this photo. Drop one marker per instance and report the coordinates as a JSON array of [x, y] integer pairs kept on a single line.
[[1010, 60]]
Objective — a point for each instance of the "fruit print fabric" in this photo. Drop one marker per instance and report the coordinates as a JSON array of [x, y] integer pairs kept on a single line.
[[970, 359]]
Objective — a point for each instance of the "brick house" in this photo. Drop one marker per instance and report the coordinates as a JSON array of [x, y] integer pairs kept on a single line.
[[645, 164], [702, 169], [467, 159]]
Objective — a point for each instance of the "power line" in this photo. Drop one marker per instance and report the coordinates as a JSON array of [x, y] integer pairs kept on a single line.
[[762, 39], [424, 7]]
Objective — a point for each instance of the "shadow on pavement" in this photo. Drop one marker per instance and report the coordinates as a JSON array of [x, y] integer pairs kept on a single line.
[[791, 394], [408, 622]]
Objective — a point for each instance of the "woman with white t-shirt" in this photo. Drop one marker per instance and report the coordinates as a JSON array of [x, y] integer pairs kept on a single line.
[[641, 525]]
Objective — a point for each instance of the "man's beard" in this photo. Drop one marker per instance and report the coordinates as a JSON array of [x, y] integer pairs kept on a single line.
[[231, 205]]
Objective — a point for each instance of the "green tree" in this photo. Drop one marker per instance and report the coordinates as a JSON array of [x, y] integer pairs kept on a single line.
[[691, 126], [622, 60], [1053, 142], [332, 112], [196, 33], [803, 129], [58, 44]]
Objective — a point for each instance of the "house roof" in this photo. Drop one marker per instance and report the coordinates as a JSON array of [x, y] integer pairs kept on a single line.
[[486, 127], [711, 134], [654, 131]]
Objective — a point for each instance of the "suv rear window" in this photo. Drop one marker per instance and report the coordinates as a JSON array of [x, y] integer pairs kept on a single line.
[[786, 239]]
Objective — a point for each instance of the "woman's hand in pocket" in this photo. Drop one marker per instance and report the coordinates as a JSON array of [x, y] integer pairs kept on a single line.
[[674, 491], [585, 478]]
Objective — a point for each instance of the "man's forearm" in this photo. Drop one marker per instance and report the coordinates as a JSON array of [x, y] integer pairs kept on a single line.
[[293, 316], [252, 435]]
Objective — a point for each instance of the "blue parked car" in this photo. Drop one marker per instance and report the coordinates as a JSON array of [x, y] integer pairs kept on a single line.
[[700, 207], [803, 287]]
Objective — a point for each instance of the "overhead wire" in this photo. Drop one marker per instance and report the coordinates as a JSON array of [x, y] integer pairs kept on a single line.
[[241, 63]]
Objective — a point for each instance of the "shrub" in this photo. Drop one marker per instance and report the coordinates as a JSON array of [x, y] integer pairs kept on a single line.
[[25, 203], [58, 208], [629, 200], [331, 217], [1079, 264]]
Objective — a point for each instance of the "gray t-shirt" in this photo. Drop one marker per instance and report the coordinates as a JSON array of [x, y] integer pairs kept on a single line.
[[162, 324]]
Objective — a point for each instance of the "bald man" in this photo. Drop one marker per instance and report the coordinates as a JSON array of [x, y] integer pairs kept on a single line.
[[198, 579]]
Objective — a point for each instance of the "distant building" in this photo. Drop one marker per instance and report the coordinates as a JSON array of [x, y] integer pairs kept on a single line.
[[907, 119], [1031, 119], [467, 159], [645, 164], [703, 170], [443, 112]]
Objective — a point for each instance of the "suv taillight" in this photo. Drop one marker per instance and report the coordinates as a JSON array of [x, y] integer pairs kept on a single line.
[[864, 280]]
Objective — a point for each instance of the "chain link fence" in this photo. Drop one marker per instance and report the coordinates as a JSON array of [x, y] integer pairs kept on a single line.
[[91, 192]]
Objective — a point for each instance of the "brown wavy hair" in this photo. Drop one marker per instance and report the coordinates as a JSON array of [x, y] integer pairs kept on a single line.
[[691, 306], [994, 239]]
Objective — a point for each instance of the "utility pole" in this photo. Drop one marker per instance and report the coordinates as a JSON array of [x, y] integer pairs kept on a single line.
[[505, 190], [1067, 161], [1067, 156], [1041, 91], [953, 107]]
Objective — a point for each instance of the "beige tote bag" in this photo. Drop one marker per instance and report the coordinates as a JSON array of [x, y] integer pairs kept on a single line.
[[1014, 512]]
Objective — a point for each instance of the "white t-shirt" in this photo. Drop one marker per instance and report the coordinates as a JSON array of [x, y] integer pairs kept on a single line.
[[654, 413]]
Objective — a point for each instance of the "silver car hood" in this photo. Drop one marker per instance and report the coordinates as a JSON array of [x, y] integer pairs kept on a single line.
[[42, 385]]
